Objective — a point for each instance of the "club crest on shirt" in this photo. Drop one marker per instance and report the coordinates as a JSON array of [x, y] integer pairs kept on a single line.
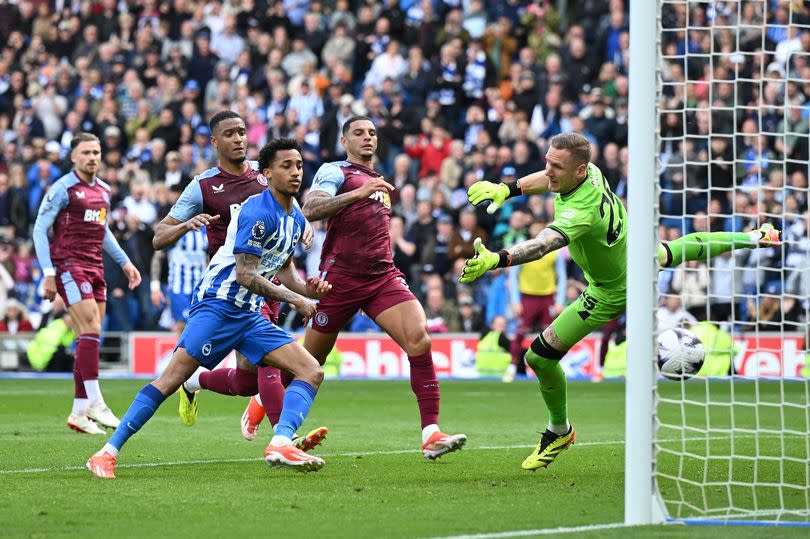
[[262, 180], [383, 197]]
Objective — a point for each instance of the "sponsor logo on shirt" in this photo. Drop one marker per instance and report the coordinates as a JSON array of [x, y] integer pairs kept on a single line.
[[218, 188], [81, 195], [95, 216]]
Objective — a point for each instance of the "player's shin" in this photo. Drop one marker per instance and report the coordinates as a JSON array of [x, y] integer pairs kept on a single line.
[[86, 362], [297, 402], [702, 246], [271, 392], [140, 411], [230, 382], [425, 386], [545, 361]]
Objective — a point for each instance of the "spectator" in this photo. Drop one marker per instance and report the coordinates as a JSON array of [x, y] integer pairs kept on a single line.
[[15, 320]]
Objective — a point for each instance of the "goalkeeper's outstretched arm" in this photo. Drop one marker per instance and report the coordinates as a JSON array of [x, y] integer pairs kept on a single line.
[[534, 249], [496, 193]]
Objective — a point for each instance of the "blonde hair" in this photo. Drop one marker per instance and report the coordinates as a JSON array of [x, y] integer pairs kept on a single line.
[[576, 144]]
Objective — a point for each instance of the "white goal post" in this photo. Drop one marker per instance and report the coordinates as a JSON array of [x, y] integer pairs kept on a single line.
[[719, 109]]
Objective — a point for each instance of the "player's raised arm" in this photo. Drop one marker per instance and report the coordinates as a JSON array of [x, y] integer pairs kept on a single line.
[[535, 183], [526, 251], [323, 200], [185, 215]]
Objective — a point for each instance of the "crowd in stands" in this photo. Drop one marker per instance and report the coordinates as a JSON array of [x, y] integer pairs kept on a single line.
[[460, 90]]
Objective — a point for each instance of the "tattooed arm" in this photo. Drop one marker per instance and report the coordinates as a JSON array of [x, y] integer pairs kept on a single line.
[[536, 248], [320, 205], [247, 275]]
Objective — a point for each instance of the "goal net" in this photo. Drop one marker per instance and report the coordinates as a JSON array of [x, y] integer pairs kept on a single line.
[[733, 444]]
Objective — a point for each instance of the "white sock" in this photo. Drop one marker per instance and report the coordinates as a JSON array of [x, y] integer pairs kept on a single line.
[[108, 449], [560, 429], [427, 431], [259, 399], [193, 382], [78, 406], [93, 391], [279, 440]]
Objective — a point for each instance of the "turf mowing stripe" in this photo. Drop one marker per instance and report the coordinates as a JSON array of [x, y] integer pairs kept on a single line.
[[540, 531], [326, 454]]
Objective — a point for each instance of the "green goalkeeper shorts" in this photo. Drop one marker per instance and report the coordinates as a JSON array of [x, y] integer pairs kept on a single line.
[[593, 308]]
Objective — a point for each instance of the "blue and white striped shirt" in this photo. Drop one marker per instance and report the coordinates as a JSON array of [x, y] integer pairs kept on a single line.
[[261, 228], [187, 261]]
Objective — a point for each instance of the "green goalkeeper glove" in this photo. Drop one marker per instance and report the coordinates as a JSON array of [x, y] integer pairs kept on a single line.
[[496, 193], [483, 261]]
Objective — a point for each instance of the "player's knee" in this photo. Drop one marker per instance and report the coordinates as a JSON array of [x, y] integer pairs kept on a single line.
[[419, 342], [315, 375], [540, 354]]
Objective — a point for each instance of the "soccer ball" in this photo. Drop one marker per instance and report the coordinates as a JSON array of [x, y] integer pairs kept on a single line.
[[680, 354]]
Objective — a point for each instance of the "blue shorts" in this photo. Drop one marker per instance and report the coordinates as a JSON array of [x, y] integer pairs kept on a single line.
[[215, 327], [180, 305]]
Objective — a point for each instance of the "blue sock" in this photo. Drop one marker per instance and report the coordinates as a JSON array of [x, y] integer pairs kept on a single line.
[[297, 402], [140, 411]]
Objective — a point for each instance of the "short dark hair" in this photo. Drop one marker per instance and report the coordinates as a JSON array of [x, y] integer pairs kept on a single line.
[[350, 121], [221, 116], [576, 144], [84, 136], [268, 152]]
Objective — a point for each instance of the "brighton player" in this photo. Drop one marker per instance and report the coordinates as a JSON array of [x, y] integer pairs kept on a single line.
[[186, 262], [76, 206], [356, 258], [225, 315], [592, 221], [210, 201]]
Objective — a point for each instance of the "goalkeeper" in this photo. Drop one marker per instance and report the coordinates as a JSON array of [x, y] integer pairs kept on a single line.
[[592, 221]]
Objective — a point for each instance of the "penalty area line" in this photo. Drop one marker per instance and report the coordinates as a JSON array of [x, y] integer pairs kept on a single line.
[[539, 531]]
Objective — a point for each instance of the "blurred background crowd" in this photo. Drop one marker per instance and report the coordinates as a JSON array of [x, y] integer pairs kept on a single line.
[[460, 90]]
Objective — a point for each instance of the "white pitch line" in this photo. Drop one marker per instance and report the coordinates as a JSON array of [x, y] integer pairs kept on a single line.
[[539, 531], [342, 454], [325, 454]]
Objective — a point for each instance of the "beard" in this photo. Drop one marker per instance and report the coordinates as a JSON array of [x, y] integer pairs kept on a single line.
[[237, 160]]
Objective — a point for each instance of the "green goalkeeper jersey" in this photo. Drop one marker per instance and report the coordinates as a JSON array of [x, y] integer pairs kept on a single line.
[[593, 222]]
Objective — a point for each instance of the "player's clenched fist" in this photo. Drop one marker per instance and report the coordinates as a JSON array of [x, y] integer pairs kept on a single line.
[[483, 261], [496, 193], [317, 288], [199, 221], [377, 184]]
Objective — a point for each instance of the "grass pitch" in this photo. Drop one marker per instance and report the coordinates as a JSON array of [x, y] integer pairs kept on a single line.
[[207, 481]]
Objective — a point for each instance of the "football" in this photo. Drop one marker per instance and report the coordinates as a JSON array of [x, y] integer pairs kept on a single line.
[[680, 354]]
